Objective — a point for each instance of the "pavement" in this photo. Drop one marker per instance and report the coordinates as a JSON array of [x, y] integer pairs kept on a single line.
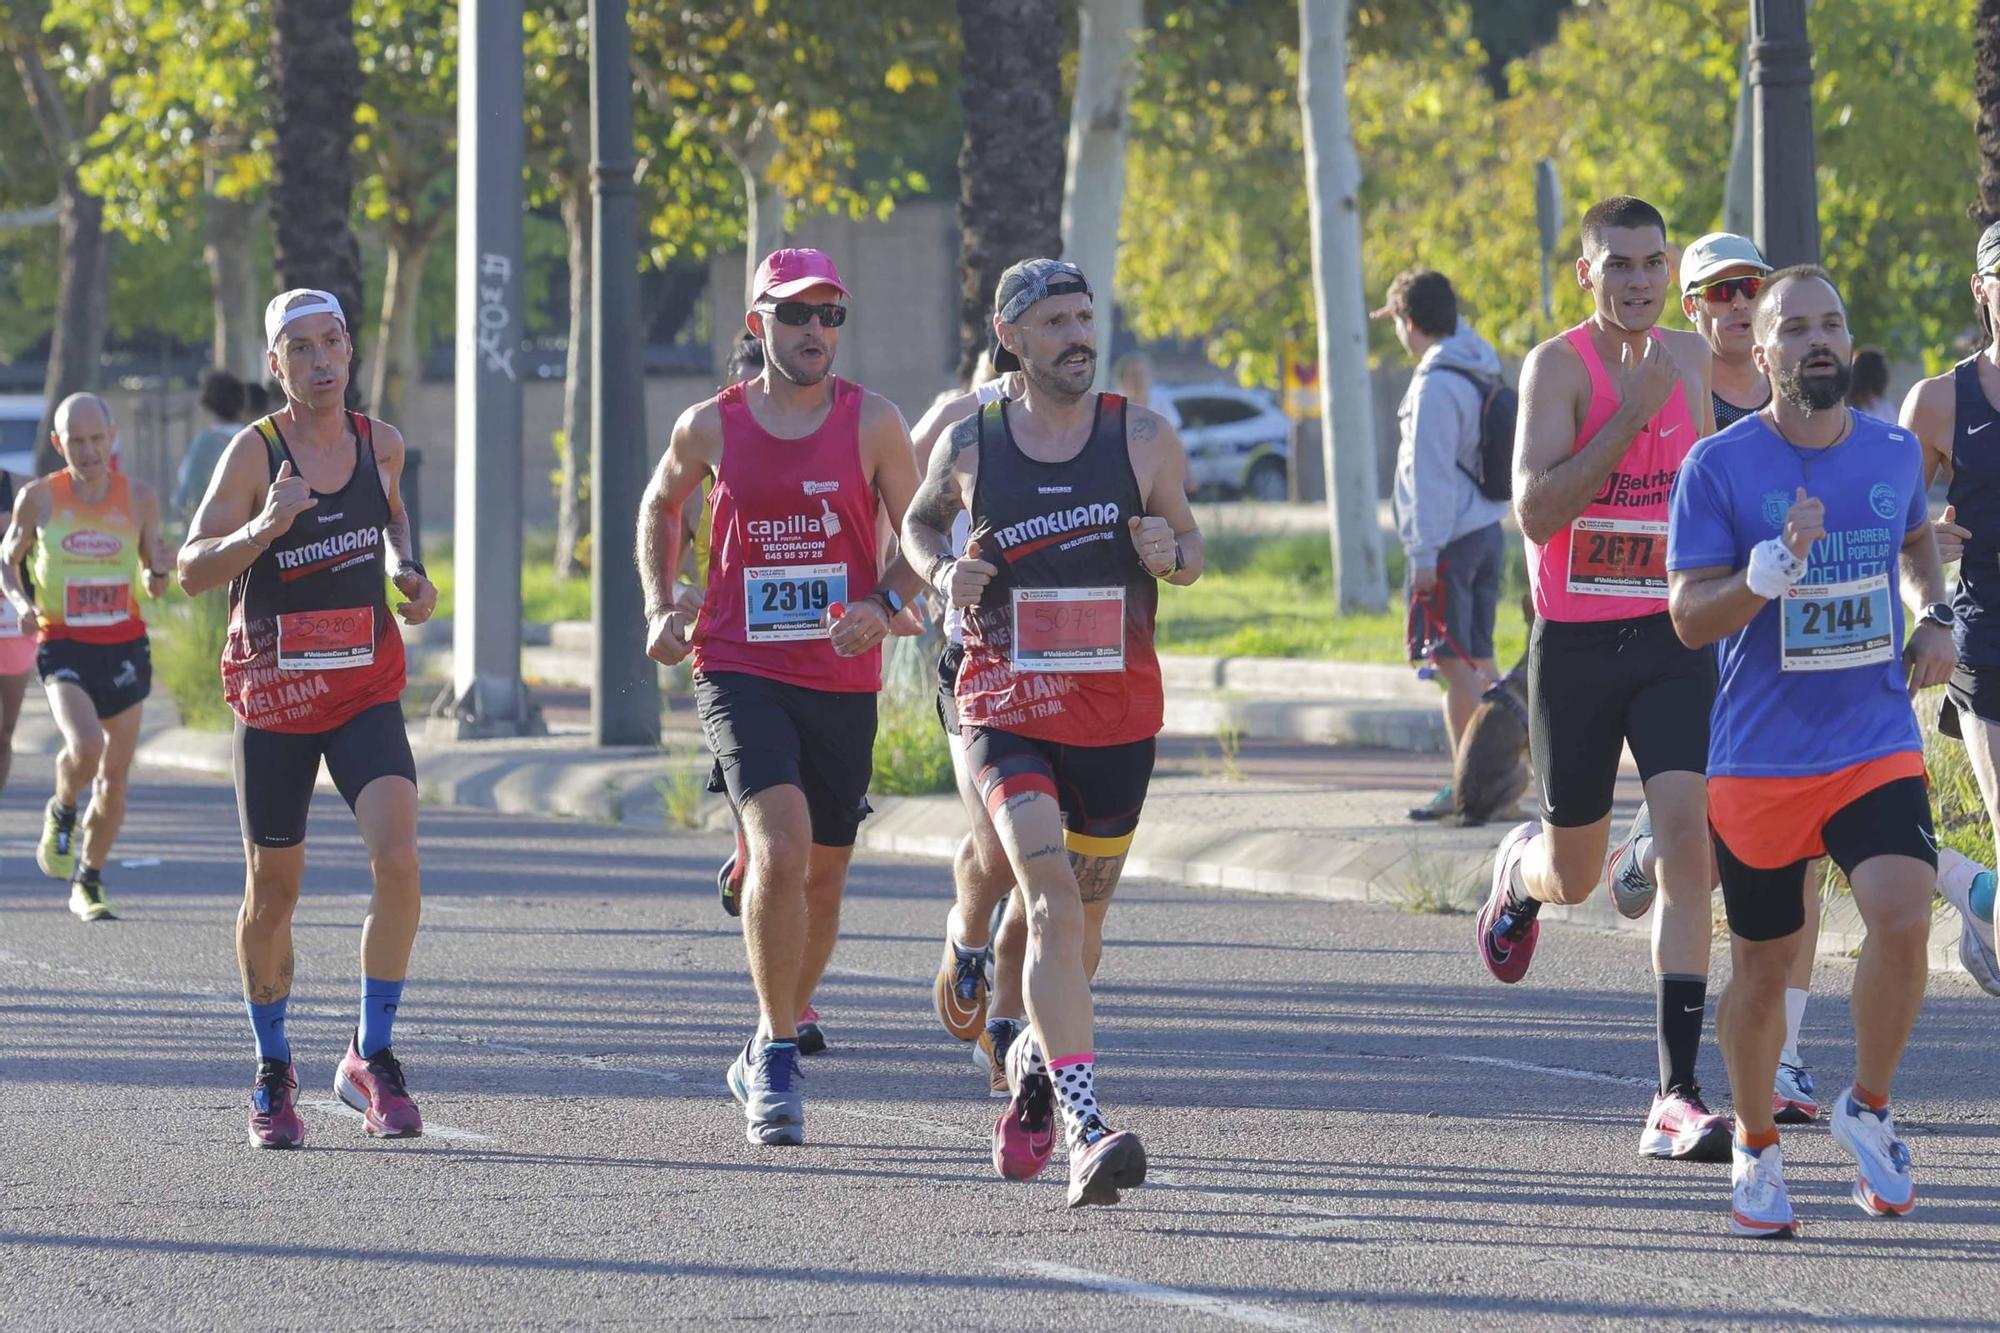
[[1350, 1126]]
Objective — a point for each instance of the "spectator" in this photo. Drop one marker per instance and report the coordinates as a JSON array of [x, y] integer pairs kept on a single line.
[[1450, 532], [1869, 391], [223, 398], [256, 402], [746, 359], [1132, 375]]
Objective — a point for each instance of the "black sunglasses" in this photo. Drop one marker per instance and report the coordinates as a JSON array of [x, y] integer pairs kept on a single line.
[[800, 313]]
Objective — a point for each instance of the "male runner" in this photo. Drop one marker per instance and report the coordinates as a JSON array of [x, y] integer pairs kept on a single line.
[[1788, 530], [1953, 415], [303, 519], [84, 531], [18, 648], [787, 645], [1608, 410], [1059, 692]]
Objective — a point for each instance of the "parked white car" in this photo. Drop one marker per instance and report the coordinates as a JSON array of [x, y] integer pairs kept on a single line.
[[20, 418], [1239, 441]]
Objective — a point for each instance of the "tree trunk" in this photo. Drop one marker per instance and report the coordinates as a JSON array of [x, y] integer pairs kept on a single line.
[[765, 231], [1333, 186], [1986, 93], [229, 250], [572, 513], [398, 359], [1739, 188], [77, 346], [315, 89], [1094, 185], [1010, 166]]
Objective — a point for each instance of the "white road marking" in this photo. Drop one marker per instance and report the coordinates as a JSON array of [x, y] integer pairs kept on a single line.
[[1524, 1066], [432, 1130], [1236, 1312]]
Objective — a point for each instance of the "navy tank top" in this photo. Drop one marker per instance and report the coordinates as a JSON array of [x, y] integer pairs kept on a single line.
[[1975, 494]]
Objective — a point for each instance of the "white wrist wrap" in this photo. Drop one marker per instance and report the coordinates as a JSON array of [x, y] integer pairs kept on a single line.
[[1773, 568]]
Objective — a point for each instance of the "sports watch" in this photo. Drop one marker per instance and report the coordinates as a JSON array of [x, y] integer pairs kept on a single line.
[[1940, 613]]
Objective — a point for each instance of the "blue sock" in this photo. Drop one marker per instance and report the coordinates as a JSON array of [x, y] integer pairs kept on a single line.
[[268, 1022], [1981, 895], [378, 1015]]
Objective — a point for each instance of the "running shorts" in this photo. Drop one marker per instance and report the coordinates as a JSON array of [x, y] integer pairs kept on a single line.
[[1101, 788], [17, 654], [276, 770], [116, 676], [1971, 689], [1461, 608], [947, 701], [765, 733], [1768, 830], [1595, 687]]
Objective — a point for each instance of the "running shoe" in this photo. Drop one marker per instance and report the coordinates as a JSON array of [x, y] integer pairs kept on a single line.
[[1759, 1205], [1631, 892], [1683, 1129], [374, 1087], [766, 1080], [729, 879], [812, 1037], [1882, 1183], [56, 852], [959, 993], [1024, 1137], [1104, 1167], [1507, 932], [1975, 946], [87, 901], [1792, 1100], [1437, 807], [989, 1053], [274, 1107]]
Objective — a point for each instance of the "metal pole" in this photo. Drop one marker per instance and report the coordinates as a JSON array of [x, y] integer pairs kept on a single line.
[[625, 693], [487, 697], [1787, 195]]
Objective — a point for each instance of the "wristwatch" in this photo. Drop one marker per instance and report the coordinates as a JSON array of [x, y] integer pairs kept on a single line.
[[411, 567], [1940, 613], [889, 599]]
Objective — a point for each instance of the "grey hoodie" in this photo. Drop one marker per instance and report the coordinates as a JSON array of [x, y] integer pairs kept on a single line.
[[1436, 502]]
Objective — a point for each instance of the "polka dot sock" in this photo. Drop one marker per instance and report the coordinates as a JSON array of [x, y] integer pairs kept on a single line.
[[1074, 1079]]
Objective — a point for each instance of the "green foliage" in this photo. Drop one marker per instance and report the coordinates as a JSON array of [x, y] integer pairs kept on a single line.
[[1957, 811], [187, 656], [912, 755]]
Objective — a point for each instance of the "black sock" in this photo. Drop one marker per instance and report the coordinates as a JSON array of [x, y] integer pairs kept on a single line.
[[1682, 1001]]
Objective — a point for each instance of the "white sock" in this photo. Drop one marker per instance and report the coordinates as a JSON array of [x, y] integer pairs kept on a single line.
[[1795, 1014], [1955, 874]]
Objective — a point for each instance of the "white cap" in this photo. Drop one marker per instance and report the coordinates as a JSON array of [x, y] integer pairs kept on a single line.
[[281, 311], [1718, 252]]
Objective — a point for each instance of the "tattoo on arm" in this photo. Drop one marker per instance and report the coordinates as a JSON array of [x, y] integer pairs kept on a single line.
[[938, 498], [396, 534], [1144, 429]]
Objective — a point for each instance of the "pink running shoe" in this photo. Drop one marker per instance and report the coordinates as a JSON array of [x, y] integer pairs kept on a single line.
[[1024, 1137], [274, 1107], [1684, 1129], [1507, 934], [375, 1088]]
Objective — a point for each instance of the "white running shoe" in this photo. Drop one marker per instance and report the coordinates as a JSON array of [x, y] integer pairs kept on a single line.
[[1882, 1183], [1759, 1205], [1792, 1098], [1975, 942]]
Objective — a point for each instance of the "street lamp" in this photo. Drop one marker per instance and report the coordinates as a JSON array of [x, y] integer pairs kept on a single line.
[[1787, 195]]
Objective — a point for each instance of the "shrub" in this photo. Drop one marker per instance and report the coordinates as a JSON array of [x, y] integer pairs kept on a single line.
[[187, 657]]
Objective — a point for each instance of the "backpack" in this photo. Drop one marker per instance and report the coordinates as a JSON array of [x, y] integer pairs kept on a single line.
[[1499, 404]]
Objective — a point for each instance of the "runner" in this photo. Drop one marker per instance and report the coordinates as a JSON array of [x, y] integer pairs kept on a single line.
[[1952, 414], [981, 877], [18, 646], [84, 531], [787, 645], [1059, 692], [303, 519], [1608, 410], [1816, 507]]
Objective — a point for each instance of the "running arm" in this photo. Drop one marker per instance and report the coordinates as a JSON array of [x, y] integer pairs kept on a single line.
[[228, 532], [939, 498], [1553, 484], [1709, 605], [1166, 492], [692, 453], [152, 546], [21, 533], [893, 469]]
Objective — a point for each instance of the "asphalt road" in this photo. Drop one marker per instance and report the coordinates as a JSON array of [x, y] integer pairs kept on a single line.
[[1349, 1124]]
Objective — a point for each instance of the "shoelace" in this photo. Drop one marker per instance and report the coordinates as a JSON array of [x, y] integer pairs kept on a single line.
[[1763, 1181], [92, 890], [1881, 1127], [971, 972], [1691, 1096], [387, 1071], [779, 1068], [1512, 924]]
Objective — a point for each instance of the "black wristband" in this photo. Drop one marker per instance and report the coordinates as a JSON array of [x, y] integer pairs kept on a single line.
[[412, 566]]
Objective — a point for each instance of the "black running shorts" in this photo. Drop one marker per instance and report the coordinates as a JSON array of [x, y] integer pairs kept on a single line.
[[765, 733], [276, 770], [1891, 820], [1101, 788], [116, 676], [1594, 687], [1971, 689]]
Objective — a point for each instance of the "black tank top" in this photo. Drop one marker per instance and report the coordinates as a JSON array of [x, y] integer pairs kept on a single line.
[[1728, 414], [1975, 494]]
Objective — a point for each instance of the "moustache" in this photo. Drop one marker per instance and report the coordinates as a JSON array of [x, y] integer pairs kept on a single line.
[[1088, 351]]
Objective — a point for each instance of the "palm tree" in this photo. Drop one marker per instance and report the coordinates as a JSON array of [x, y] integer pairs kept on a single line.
[[315, 89], [1986, 92], [1010, 167]]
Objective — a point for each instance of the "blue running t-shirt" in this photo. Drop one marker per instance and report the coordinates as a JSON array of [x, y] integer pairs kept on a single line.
[[1815, 682]]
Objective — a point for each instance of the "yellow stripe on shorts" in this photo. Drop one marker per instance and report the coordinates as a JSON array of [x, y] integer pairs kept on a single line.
[[1085, 845]]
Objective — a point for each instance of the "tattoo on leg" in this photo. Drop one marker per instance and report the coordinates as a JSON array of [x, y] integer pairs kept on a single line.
[[1041, 853], [1096, 876], [266, 992], [1016, 801]]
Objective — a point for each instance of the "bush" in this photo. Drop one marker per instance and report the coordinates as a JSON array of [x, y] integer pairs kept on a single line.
[[187, 657], [1956, 808], [912, 756]]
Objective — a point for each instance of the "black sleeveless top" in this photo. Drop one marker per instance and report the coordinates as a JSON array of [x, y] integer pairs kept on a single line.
[[1728, 414], [1975, 494]]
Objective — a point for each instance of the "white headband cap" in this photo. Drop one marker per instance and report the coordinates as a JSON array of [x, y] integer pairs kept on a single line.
[[281, 311]]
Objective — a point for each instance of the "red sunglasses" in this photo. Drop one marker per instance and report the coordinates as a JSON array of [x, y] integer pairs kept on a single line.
[[1724, 291]]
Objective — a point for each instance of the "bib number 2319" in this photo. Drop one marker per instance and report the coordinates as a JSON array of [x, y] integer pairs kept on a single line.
[[1832, 626], [786, 602]]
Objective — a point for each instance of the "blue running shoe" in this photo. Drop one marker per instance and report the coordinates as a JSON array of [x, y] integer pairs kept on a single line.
[[1882, 1183], [766, 1078]]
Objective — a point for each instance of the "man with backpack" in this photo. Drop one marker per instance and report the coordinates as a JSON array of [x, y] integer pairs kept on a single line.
[[1450, 495]]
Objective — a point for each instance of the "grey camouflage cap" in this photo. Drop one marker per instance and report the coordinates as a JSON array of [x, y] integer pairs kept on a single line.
[[1021, 286]]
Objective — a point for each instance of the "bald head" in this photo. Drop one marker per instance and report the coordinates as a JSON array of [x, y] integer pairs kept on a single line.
[[83, 412]]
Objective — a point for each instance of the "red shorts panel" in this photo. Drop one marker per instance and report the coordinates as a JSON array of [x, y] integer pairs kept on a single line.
[[1772, 822]]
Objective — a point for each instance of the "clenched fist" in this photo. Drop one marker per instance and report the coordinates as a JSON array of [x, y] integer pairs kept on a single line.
[[1153, 539]]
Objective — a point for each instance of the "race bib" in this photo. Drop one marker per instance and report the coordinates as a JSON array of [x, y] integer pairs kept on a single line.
[[10, 620], [326, 640], [1069, 629], [97, 599], [786, 602], [1618, 557], [1833, 626]]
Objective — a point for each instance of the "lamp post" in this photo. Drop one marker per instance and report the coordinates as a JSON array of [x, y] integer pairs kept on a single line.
[[1787, 195]]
